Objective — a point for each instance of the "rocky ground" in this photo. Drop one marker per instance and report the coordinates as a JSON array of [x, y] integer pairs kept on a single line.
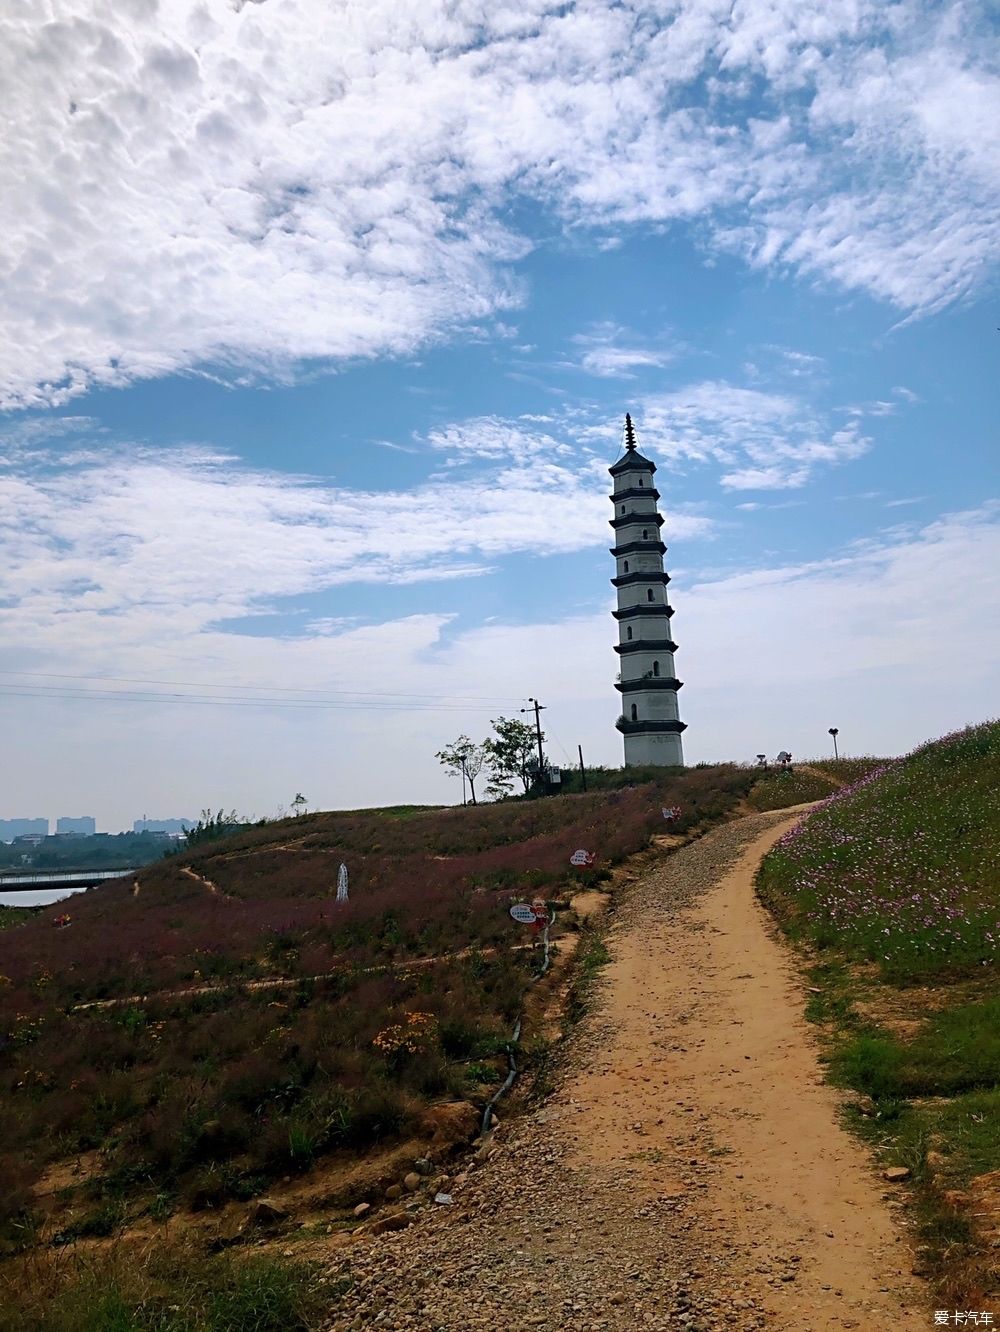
[[688, 1172]]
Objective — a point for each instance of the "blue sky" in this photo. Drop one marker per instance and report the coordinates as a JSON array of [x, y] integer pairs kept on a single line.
[[318, 351]]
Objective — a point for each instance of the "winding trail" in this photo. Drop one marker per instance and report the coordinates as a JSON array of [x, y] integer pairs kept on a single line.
[[834, 782], [689, 1172]]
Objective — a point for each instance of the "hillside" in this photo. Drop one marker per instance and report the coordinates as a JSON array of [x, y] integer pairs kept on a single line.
[[221, 1023], [893, 887]]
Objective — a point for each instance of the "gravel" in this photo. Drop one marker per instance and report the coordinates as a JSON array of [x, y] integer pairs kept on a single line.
[[532, 1241]]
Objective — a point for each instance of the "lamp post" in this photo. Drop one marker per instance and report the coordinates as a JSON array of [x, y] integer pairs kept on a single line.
[[835, 731]]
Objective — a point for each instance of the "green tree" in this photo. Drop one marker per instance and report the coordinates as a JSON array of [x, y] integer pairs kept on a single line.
[[463, 756], [509, 754], [210, 827]]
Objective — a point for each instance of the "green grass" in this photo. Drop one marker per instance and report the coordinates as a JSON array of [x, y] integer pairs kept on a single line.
[[903, 867], [958, 1051], [849, 770], [895, 881], [12, 915], [592, 956], [783, 787], [165, 1292]]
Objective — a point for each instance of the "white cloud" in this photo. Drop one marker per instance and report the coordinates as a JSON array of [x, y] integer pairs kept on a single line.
[[492, 437], [771, 658], [164, 545], [254, 185], [763, 440], [611, 352]]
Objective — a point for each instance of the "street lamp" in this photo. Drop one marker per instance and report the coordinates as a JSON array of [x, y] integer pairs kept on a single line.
[[835, 731]]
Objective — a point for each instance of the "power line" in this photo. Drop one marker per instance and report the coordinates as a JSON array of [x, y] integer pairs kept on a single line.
[[55, 694], [275, 689]]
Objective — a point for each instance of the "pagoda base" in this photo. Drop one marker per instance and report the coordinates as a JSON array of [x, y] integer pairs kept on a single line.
[[654, 749]]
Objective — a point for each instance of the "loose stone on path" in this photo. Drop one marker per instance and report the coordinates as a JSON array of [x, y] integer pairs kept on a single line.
[[623, 1202]]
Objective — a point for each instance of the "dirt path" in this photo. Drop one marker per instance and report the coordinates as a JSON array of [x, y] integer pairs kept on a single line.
[[818, 772], [286, 982], [688, 1173], [200, 878]]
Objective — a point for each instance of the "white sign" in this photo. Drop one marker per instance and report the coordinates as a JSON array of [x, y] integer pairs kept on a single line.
[[342, 884], [582, 857], [523, 913], [670, 812]]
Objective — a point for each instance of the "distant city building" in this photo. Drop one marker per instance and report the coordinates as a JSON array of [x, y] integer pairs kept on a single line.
[[11, 828], [82, 827], [172, 826], [30, 839]]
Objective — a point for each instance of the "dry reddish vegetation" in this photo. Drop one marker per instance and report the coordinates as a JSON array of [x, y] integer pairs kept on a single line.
[[205, 1096]]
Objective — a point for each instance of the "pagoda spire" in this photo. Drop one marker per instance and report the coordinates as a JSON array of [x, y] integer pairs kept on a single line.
[[650, 721]]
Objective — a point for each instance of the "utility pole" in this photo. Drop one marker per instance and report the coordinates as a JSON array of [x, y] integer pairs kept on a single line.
[[835, 731], [538, 708], [463, 781], [583, 770]]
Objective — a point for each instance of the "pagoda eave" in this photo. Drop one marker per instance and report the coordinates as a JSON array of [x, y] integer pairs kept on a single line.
[[646, 645], [635, 492], [639, 548], [649, 727], [624, 519], [641, 576], [651, 682], [630, 612]]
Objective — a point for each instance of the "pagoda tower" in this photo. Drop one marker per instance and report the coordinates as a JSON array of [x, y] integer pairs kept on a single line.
[[650, 720]]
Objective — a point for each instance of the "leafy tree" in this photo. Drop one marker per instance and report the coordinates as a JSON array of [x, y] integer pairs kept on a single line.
[[464, 756], [510, 755], [211, 826]]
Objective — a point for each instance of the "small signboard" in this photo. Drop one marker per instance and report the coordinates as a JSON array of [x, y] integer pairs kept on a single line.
[[670, 812], [523, 913], [582, 857]]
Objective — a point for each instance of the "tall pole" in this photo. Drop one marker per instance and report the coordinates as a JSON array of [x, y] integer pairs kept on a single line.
[[538, 708], [835, 731], [583, 770], [463, 781]]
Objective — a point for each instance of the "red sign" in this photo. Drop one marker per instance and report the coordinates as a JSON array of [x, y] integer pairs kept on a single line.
[[582, 858]]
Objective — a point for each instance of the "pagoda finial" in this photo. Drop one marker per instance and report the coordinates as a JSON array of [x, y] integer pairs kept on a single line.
[[629, 432]]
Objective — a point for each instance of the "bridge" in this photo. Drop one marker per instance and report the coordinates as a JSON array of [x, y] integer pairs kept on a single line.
[[33, 883]]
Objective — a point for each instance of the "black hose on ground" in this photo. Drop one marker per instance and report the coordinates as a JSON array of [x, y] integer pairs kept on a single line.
[[512, 1069]]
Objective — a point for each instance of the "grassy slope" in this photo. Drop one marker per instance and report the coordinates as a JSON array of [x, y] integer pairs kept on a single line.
[[199, 1098], [894, 886]]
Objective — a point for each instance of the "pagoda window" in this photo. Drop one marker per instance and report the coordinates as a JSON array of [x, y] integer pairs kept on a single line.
[[645, 533], [635, 710], [629, 632], [656, 668], [649, 590], [626, 566], [641, 482]]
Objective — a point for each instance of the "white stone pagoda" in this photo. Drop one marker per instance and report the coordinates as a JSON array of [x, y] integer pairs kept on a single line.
[[650, 720]]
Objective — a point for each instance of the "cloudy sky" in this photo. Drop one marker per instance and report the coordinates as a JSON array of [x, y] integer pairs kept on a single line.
[[320, 322]]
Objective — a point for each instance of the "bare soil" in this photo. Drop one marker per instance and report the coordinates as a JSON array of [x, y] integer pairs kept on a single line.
[[690, 1170]]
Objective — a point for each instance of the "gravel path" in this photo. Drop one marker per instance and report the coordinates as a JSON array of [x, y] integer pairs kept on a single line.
[[659, 1186]]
